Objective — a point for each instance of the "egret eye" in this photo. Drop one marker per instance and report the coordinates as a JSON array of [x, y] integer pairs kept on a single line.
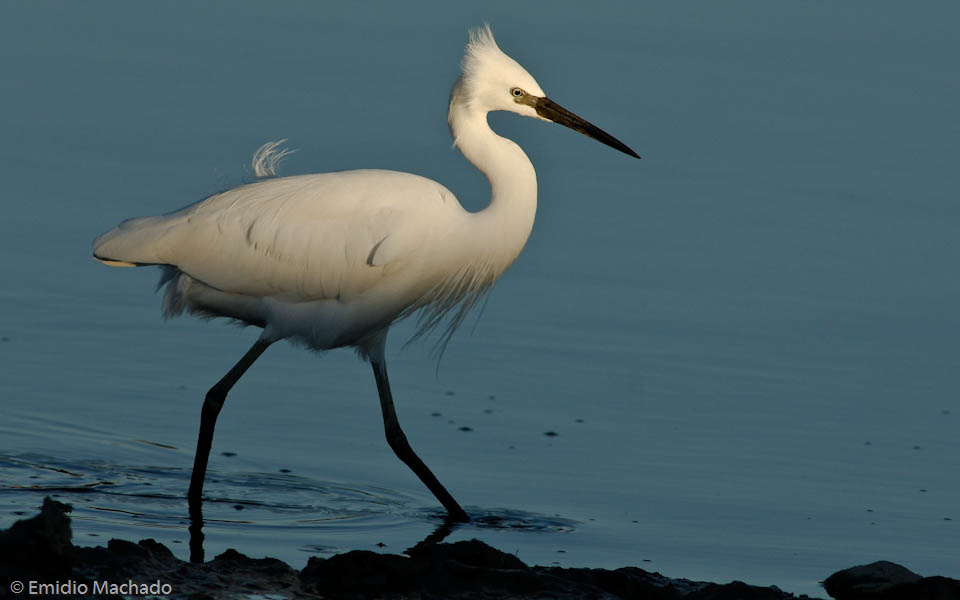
[[517, 92]]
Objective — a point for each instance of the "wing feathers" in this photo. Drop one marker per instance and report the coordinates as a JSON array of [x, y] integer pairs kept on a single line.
[[301, 238]]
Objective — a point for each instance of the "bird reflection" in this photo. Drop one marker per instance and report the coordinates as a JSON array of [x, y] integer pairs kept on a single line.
[[195, 529]]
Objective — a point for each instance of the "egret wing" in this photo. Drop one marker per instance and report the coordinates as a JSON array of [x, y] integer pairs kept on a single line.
[[309, 237]]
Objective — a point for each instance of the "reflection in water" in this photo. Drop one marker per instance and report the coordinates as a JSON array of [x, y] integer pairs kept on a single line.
[[113, 500], [196, 530]]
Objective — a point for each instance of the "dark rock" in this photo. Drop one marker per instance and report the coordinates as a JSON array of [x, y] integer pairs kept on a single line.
[[475, 570], [473, 553], [122, 560], [884, 580], [359, 573], [259, 574], [38, 547], [739, 591]]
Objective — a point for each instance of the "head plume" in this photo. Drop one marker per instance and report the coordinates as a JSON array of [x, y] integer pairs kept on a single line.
[[489, 74]]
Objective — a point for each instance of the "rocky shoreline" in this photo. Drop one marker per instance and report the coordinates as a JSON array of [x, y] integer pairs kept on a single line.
[[38, 552]]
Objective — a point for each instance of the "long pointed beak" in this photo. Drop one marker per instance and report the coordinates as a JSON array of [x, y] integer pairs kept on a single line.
[[550, 110]]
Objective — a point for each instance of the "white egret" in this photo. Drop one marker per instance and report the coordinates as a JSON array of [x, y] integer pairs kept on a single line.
[[332, 260]]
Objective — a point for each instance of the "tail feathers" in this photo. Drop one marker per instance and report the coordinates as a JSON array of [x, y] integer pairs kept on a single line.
[[136, 242], [116, 263], [155, 240]]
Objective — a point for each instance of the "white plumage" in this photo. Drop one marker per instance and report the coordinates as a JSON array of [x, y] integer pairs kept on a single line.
[[319, 258], [332, 260]]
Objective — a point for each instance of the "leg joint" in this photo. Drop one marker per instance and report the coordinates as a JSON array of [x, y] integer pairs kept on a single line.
[[397, 439], [214, 399]]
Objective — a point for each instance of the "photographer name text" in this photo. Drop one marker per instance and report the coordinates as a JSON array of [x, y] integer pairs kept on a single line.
[[94, 588]]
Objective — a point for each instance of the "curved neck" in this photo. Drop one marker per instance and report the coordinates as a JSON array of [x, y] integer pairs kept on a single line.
[[507, 220]]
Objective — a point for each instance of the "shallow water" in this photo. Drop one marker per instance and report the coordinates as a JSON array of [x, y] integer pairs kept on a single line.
[[745, 343]]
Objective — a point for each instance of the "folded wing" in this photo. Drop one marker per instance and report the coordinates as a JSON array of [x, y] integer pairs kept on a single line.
[[302, 238]]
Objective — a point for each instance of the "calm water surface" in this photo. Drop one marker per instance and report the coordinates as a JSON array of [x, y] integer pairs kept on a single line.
[[746, 344]]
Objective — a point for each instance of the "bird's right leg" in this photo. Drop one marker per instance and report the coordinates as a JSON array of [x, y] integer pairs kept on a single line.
[[208, 416]]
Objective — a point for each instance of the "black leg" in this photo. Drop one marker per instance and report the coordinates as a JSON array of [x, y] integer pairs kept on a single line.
[[196, 531], [208, 417], [398, 441]]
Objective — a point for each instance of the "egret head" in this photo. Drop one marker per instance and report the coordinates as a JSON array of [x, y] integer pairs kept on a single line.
[[492, 80]]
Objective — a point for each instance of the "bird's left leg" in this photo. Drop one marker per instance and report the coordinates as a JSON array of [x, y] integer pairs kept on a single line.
[[401, 447], [208, 416]]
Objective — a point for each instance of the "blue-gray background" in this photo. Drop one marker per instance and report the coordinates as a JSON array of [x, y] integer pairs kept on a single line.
[[746, 343]]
